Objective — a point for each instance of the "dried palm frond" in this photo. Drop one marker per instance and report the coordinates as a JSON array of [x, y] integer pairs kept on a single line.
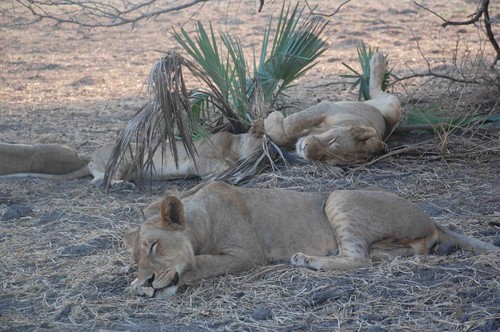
[[166, 117], [230, 100], [262, 158]]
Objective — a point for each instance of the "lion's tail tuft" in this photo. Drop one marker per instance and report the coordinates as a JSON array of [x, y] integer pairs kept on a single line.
[[463, 241]]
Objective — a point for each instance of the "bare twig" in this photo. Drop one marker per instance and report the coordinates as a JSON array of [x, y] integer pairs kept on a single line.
[[431, 74], [93, 14], [326, 15], [481, 11]]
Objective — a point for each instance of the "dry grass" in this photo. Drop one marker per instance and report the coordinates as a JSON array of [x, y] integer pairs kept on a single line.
[[64, 268]]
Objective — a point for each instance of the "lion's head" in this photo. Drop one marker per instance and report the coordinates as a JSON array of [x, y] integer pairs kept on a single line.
[[161, 250], [340, 145]]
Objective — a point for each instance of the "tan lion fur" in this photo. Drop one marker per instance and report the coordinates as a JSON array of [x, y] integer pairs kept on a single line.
[[216, 228], [52, 161], [343, 133], [214, 155]]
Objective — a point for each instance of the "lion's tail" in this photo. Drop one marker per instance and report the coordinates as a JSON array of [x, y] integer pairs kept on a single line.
[[463, 241], [79, 173]]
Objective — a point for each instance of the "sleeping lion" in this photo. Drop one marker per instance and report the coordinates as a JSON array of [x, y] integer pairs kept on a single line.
[[50, 161], [342, 133], [216, 228], [214, 155]]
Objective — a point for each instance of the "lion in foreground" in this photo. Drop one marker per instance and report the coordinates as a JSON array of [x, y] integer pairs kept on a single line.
[[342, 133], [216, 228]]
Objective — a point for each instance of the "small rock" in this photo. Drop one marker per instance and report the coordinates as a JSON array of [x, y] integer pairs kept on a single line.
[[45, 325], [100, 243], [262, 314], [445, 249], [16, 211], [496, 242], [78, 250], [51, 216], [490, 326], [64, 313], [322, 297]]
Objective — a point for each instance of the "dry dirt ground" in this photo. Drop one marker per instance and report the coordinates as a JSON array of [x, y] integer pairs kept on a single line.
[[64, 267]]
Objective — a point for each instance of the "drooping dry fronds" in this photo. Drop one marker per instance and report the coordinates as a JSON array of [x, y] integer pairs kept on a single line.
[[255, 163], [167, 117], [158, 123]]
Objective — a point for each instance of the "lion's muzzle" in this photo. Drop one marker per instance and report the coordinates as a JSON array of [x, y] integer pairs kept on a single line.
[[147, 289]]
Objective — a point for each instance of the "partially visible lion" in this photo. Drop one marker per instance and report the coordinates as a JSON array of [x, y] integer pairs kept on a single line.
[[342, 133], [54, 161], [51, 161], [216, 228], [214, 155]]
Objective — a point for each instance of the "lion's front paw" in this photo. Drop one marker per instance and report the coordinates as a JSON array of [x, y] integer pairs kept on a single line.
[[140, 290], [273, 126], [115, 184], [299, 259], [122, 185], [97, 182]]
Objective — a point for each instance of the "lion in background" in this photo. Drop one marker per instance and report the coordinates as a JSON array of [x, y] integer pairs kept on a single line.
[[215, 154], [216, 228], [342, 133], [50, 161]]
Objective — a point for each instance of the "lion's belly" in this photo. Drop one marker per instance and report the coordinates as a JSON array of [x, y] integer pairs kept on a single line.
[[289, 222]]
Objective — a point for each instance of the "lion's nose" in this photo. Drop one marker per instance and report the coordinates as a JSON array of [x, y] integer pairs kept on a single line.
[[149, 282]]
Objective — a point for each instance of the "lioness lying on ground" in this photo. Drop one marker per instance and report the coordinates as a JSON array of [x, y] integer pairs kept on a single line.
[[51, 161], [342, 133], [214, 155], [54, 161], [216, 228]]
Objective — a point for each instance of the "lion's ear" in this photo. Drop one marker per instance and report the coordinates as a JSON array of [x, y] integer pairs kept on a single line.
[[172, 214], [363, 133], [130, 238]]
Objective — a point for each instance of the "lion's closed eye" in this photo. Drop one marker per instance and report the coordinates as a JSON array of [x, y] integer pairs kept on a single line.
[[153, 248], [333, 140]]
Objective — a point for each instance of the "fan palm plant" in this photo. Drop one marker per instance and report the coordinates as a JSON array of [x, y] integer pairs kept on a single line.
[[297, 44], [231, 96]]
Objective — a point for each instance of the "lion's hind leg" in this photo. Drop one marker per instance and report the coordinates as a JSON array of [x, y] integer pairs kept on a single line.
[[344, 261], [386, 250], [353, 248], [386, 103]]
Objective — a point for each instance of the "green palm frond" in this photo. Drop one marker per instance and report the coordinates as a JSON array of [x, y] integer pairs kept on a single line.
[[230, 99], [297, 45], [228, 73], [433, 118]]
